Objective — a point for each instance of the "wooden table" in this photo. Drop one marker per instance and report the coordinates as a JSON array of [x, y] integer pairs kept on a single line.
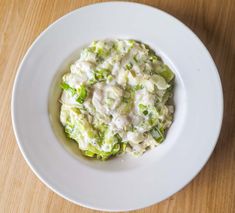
[[213, 190]]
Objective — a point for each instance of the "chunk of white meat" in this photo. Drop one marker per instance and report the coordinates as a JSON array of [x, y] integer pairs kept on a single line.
[[85, 67], [89, 106], [135, 150], [149, 142], [98, 97], [116, 69], [87, 55], [135, 137], [120, 122], [136, 119], [149, 85], [143, 97], [133, 80], [68, 99], [74, 79], [122, 77], [64, 114], [160, 82], [113, 93]]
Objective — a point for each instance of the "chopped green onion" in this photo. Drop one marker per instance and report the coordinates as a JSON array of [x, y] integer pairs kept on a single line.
[[135, 59], [102, 74], [129, 66], [110, 78], [145, 112], [92, 81], [116, 148], [167, 73], [123, 146], [66, 87], [133, 73], [89, 153], [138, 87], [100, 51], [131, 42], [82, 94], [157, 134], [143, 109], [153, 58]]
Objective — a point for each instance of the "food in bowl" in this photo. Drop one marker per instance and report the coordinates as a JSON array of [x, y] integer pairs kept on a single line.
[[117, 98]]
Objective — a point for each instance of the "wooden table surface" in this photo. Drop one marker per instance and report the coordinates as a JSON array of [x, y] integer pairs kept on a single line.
[[213, 190]]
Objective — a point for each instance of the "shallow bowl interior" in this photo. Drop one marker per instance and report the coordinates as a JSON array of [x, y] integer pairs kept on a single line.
[[123, 183]]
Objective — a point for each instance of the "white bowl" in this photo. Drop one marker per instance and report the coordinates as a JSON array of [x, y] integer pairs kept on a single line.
[[123, 183]]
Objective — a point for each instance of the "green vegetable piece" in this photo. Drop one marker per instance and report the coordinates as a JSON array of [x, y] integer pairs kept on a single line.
[[135, 58], [145, 112], [143, 109], [100, 51], [157, 134], [91, 49], [69, 129], [167, 73], [131, 42], [125, 100], [138, 87], [89, 153], [93, 149], [133, 73], [82, 94], [129, 66], [66, 87], [123, 147], [167, 95], [109, 101], [118, 137], [116, 148], [101, 74], [110, 78], [154, 59], [76, 110], [92, 81]]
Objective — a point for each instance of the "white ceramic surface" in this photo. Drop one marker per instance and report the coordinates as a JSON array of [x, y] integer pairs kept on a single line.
[[123, 183]]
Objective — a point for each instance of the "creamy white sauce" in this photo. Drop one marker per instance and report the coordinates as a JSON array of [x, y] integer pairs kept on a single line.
[[111, 71]]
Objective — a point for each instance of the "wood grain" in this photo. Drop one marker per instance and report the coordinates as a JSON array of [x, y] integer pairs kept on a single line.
[[213, 190]]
